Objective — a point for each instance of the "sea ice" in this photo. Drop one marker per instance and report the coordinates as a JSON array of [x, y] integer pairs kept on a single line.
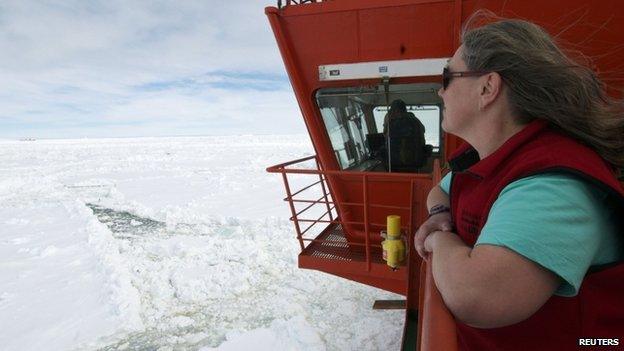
[[166, 243]]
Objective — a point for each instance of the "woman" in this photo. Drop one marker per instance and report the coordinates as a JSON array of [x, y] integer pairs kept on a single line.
[[525, 235]]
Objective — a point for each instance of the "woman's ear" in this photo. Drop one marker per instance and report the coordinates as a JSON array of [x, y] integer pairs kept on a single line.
[[491, 88]]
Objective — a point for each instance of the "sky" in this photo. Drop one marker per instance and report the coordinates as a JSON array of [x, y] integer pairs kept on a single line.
[[123, 68]]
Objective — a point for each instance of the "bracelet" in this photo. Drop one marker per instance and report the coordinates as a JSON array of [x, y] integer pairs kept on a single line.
[[438, 209]]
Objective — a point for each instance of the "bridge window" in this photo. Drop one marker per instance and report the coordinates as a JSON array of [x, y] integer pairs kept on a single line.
[[354, 118], [347, 131], [429, 116]]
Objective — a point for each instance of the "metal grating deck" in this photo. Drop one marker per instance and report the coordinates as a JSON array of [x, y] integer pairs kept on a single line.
[[332, 244]]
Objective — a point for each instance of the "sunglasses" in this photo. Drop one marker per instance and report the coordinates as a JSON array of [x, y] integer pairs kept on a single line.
[[447, 75]]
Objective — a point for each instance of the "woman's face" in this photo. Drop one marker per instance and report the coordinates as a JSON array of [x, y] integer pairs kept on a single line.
[[460, 97]]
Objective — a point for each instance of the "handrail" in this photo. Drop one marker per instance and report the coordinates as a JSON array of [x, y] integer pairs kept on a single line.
[[275, 169], [307, 201], [348, 173], [281, 168]]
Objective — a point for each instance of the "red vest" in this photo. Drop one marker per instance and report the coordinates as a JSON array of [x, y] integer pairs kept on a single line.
[[598, 310]]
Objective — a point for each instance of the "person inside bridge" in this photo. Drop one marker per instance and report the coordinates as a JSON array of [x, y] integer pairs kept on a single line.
[[405, 138], [525, 234]]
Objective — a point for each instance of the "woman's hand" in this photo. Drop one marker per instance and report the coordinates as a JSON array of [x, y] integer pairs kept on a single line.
[[438, 222]]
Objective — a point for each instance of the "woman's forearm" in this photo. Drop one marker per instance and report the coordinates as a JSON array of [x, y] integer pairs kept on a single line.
[[437, 196], [451, 271]]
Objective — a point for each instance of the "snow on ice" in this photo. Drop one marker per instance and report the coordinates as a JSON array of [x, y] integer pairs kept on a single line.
[[169, 244]]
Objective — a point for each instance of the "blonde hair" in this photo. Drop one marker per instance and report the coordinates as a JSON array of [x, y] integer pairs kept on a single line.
[[545, 83]]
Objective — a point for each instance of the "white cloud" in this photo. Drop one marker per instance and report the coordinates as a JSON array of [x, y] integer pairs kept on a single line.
[[76, 68]]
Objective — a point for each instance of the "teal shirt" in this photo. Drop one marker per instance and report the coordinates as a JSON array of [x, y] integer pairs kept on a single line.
[[556, 220]]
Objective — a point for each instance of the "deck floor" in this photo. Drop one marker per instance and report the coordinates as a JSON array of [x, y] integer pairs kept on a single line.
[[332, 244]]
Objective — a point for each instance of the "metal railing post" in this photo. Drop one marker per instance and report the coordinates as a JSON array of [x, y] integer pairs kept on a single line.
[[321, 175], [410, 227], [366, 227], [293, 211]]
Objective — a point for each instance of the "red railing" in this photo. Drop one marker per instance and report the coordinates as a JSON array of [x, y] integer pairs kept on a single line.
[[290, 196], [326, 207]]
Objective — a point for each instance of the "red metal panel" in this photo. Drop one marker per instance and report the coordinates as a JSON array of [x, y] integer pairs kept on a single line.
[[395, 194], [375, 34], [322, 39], [409, 32]]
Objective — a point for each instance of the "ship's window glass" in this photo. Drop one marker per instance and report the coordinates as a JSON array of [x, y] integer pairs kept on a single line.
[[354, 117], [347, 133]]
